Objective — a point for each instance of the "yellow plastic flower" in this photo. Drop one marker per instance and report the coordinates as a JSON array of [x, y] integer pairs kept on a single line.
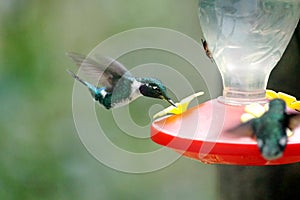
[[290, 100], [253, 110], [181, 106]]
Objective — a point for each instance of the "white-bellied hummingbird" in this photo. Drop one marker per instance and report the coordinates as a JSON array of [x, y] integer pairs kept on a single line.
[[270, 129], [119, 87]]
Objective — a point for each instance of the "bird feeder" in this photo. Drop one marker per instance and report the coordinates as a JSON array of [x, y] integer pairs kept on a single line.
[[246, 39]]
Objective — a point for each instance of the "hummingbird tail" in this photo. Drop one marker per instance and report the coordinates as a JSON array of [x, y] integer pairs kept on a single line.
[[77, 78], [92, 89]]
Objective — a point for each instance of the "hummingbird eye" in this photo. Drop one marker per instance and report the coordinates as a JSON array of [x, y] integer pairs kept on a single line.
[[154, 87]]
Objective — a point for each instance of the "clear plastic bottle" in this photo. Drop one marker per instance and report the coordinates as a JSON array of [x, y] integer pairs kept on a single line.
[[247, 38]]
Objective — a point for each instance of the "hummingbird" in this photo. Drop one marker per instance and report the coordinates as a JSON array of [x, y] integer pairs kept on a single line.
[[119, 87], [270, 129], [207, 51]]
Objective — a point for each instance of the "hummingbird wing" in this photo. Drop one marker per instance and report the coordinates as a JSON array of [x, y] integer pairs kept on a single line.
[[293, 121], [104, 69], [243, 129]]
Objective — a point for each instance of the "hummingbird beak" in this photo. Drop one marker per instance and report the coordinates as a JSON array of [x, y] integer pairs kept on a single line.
[[168, 100], [171, 102]]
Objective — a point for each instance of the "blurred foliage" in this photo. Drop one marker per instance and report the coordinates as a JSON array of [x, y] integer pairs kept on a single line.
[[41, 155]]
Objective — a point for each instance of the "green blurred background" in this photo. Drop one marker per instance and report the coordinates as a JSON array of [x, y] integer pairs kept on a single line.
[[41, 154]]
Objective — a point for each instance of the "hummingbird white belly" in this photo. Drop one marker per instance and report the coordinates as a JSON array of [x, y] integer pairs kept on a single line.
[[134, 94]]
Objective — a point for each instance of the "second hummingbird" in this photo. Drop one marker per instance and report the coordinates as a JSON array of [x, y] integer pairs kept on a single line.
[[270, 129], [119, 87]]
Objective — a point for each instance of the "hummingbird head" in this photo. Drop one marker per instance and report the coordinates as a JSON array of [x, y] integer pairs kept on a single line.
[[272, 147], [153, 88], [277, 106]]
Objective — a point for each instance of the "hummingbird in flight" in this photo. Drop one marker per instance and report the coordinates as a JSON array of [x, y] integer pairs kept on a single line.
[[270, 129], [119, 87]]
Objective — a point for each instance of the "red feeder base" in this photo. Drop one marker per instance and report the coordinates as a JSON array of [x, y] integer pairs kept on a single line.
[[200, 133]]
